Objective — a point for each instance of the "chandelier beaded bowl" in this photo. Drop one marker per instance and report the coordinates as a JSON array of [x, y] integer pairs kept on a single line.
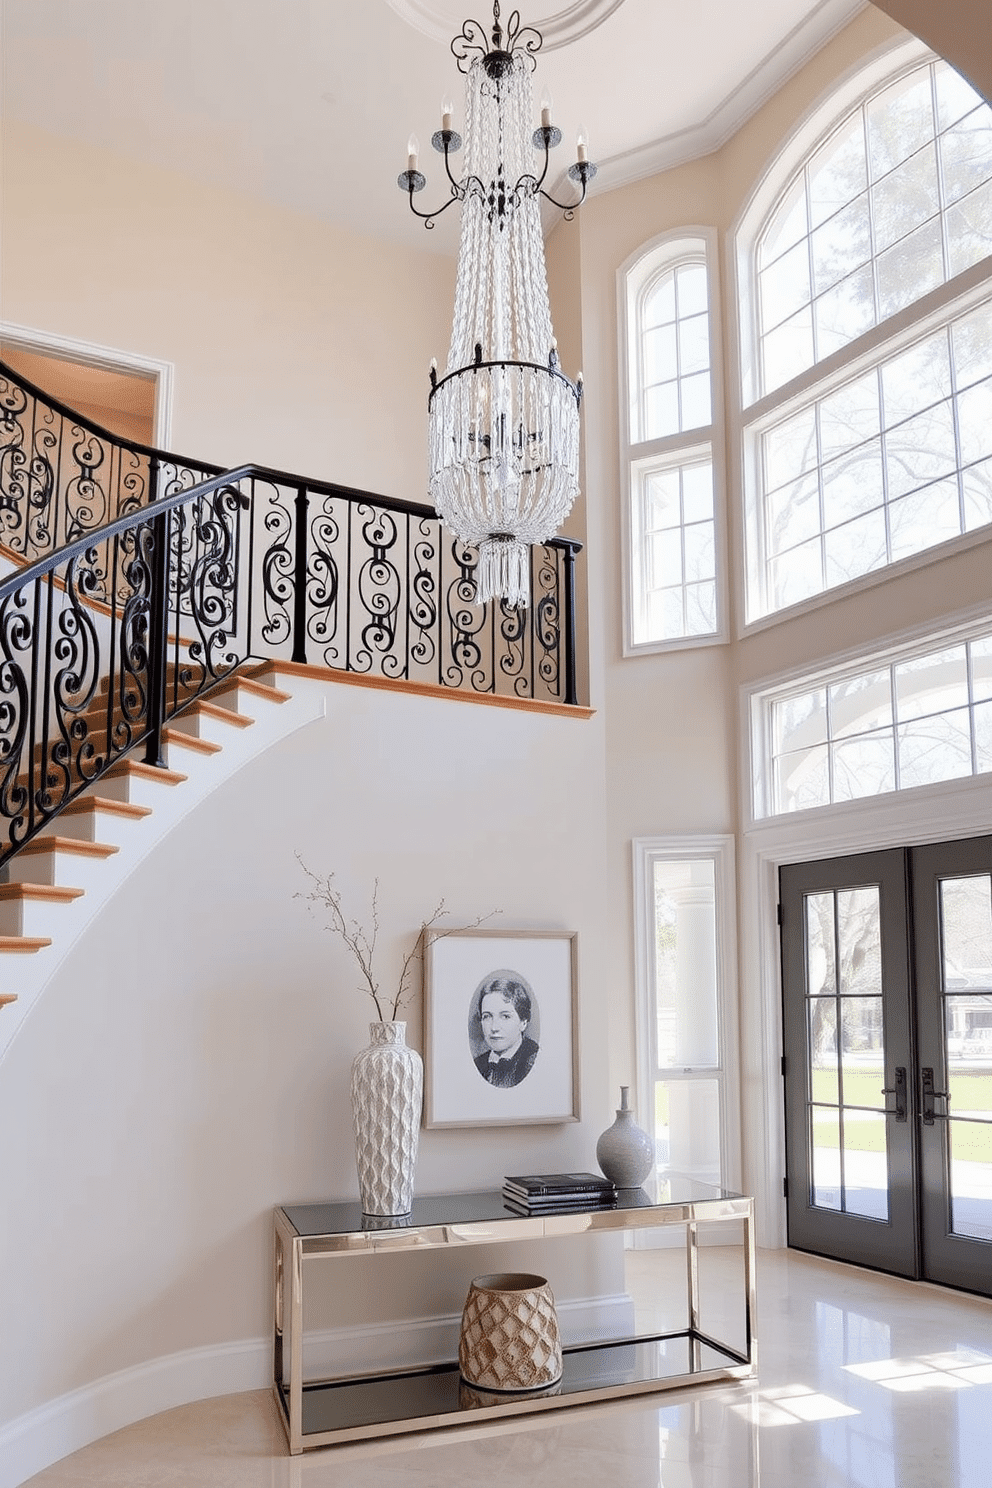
[[503, 418]]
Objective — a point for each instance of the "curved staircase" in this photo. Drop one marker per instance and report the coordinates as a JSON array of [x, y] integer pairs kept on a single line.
[[150, 606], [59, 881]]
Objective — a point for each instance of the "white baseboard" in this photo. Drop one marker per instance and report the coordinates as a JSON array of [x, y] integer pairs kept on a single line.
[[32, 1442]]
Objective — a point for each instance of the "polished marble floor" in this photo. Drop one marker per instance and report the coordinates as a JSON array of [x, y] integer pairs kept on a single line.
[[863, 1380]]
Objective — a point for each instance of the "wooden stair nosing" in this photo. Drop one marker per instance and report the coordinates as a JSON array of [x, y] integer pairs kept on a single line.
[[251, 682], [20, 945], [129, 766], [107, 804], [174, 736], [40, 893], [6, 997], [77, 845], [223, 715]]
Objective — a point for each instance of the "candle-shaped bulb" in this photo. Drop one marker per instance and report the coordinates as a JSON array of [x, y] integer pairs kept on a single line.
[[447, 109], [547, 104], [412, 152], [582, 146]]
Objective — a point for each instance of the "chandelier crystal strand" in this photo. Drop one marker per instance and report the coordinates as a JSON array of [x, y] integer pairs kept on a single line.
[[503, 418]]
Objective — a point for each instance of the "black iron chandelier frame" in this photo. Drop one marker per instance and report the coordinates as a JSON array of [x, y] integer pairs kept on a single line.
[[497, 59]]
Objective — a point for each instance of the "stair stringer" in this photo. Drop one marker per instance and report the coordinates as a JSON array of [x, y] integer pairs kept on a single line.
[[27, 976]]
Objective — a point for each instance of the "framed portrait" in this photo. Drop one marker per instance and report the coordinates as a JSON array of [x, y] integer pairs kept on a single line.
[[501, 1034]]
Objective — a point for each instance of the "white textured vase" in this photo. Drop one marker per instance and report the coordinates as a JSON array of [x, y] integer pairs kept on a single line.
[[387, 1088]]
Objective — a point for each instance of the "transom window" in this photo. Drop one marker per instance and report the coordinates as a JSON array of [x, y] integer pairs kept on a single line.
[[672, 591], [914, 718], [895, 202], [876, 256]]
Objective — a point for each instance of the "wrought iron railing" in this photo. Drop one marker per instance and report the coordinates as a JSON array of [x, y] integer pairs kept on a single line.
[[62, 475], [107, 637]]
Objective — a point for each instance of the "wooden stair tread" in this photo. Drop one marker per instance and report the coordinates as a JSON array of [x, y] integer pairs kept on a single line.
[[130, 766], [76, 845], [254, 682], [105, 803], [175, 736], [24, 944], [53, 893], [224, 715], [6, 997]]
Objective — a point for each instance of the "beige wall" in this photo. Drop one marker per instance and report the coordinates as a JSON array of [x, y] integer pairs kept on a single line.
[[960, 30], [296, 344]]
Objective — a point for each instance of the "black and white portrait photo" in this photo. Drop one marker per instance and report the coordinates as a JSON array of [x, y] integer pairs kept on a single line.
[[504, 1029], [500, 1028]]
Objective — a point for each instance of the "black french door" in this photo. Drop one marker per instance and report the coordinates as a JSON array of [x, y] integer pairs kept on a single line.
[[887, 1015]]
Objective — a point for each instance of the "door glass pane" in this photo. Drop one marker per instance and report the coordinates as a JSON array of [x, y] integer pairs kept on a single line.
[[966, 932], [968, 1022], [862, 1052], [825, 1150], [859, 942], [824, 1081], [820, 972], [971, 1177], [866, 1166], [966, 970]]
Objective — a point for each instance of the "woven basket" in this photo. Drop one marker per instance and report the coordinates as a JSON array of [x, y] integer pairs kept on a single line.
[[509, 1338]]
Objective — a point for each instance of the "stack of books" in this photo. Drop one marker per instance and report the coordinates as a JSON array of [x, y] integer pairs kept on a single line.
[[558, 1193]]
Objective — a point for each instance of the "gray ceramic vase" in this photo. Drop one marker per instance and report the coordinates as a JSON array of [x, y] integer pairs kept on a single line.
[[625, 1152]]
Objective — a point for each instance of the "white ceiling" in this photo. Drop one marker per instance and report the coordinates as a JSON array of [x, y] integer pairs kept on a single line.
[[309, 103]]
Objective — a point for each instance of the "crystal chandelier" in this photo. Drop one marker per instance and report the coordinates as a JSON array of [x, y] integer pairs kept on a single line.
[[503, 418]]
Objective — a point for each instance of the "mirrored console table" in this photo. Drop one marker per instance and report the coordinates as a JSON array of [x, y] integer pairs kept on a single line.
[[320, 1412]]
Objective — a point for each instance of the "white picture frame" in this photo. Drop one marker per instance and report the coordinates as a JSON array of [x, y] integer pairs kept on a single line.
[[469, 1079]]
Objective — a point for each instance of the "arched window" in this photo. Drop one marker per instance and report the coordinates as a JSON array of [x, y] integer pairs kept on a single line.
[[866, 294], [672, 540]]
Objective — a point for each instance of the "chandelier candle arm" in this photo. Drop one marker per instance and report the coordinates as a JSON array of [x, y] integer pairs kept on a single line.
[[503, 418]]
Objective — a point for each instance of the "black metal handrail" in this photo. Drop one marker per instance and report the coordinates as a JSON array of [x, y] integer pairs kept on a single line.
[[106, 638]]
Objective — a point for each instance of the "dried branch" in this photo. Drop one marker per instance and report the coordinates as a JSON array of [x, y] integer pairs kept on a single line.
[[362, 943], [417, 953]]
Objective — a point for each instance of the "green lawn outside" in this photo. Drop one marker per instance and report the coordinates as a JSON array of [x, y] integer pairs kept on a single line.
[[862, 1087]]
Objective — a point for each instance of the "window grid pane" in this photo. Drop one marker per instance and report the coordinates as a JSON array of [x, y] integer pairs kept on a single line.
[[917, 721], [905, 182], [673, 562], [884, 467], [672, 369]]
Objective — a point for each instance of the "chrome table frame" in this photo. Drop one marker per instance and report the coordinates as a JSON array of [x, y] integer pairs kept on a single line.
[[295, 1246]]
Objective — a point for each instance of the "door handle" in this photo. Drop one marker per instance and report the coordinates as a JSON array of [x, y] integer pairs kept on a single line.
[[899, 1091], [930, 1095]]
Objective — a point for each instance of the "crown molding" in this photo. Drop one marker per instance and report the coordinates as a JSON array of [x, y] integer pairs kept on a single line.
[[782, 63]]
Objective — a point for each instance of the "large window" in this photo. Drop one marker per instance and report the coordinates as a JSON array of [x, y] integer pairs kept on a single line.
[[912, 717], [672, 589], [866, 287], [686, 1029]]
